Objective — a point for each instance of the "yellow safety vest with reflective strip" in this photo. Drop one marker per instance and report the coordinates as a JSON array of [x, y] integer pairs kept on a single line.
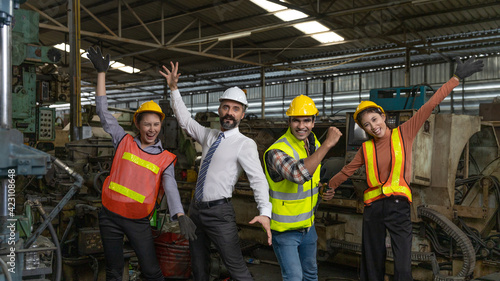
[[293, 204], [396, 183], [134, 181]]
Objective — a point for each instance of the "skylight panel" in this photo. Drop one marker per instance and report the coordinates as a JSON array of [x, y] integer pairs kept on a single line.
[[66, 48], [328, 37], [290, 14], [113, 64], [269, 6], [129, 69], [316, 30], [311, 27]]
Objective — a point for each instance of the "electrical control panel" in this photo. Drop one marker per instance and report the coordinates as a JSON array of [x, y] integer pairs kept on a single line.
[[46, 121]]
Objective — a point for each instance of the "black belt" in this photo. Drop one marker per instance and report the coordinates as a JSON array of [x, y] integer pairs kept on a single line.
[[210, 204]]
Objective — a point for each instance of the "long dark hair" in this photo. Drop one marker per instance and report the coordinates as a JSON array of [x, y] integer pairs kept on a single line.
[[371, 110]]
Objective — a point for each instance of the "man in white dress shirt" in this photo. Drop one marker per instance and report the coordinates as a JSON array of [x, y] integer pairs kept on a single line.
[[211, 209]]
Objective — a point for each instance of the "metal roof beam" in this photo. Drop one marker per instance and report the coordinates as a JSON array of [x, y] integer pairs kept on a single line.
[[44, 15], [97, 20], [141, 22]]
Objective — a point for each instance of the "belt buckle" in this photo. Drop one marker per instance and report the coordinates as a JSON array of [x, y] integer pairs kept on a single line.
[[198, 204]]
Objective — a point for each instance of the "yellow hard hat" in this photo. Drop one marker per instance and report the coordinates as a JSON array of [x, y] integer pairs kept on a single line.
[[365, 105], [150, 106], [302, 106]]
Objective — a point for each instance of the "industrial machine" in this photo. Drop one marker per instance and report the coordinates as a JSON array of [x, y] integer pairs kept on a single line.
[[33, 87], [455, 180], [401, 98], [23, 251]]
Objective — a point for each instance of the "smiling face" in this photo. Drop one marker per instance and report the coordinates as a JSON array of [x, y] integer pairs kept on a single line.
[[230, 112], [301, 126], [374, 123], [149, 126]]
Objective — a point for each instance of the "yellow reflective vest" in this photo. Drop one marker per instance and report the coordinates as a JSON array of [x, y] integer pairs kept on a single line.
[[396, 183], [293, 204]]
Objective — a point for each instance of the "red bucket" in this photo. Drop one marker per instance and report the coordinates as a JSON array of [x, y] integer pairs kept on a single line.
[[172, 252]]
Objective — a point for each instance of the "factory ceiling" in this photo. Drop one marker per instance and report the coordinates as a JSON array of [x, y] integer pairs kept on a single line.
[[224, 43]]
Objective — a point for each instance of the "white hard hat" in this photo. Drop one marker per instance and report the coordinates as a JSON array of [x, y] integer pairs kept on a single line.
[[235, 94]]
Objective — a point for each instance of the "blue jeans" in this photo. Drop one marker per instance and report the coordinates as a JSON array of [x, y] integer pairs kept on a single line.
[[296, 253]]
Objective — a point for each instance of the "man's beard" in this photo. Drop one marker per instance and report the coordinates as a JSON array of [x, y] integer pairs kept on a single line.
[[228, 125]]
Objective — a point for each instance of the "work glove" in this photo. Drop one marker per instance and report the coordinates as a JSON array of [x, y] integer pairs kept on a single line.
[[187, 227], [468, 68], [100, 64]]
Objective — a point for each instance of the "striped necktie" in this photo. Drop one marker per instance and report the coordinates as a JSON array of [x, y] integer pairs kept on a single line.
[[198, 194]]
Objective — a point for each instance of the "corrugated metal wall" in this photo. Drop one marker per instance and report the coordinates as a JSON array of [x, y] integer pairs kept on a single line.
[[343, 93]]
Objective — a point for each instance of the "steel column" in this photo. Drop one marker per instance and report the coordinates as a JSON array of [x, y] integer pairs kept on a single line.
[[75, 70], [6, 76]]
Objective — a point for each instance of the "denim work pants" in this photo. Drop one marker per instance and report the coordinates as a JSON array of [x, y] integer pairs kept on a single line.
[[296, 253]]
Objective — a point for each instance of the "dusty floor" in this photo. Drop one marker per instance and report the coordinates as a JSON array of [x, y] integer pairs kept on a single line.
[[327, 272], [263, 266]]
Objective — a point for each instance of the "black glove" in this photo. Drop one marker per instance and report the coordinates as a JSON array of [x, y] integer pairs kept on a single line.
[[468, 68], [188, 227], [100, 64]]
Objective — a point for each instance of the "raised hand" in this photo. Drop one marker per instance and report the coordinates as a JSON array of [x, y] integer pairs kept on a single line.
[[100, 64], [172, 77], [466, 69], [332, 137]]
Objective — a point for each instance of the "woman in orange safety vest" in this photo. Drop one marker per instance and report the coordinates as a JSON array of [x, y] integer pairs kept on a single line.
[[140, 167], [387, 160]]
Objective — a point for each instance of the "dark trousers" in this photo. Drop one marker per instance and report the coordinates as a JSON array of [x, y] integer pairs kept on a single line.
[[113, 227], [216, 224], [392, 214]]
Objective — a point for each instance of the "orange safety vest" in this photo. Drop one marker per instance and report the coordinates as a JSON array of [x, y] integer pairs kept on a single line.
[[396, 183], [132, 186]]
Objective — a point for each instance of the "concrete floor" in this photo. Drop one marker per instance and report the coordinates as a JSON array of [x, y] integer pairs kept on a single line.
[[326, 272], [263, 266], [269, 270]]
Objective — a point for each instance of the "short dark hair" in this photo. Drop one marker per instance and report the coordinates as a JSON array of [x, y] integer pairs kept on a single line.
[[312, 116]]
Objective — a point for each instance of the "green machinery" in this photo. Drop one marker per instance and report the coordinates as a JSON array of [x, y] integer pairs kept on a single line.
[[28, 93]]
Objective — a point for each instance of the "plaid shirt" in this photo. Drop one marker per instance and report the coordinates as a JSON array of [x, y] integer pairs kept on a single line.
[[282, 166]]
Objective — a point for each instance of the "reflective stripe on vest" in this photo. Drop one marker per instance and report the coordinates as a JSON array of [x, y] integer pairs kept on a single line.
[[300, 194], [292, 204], [141, 162], [127, 192], [396, 183]]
